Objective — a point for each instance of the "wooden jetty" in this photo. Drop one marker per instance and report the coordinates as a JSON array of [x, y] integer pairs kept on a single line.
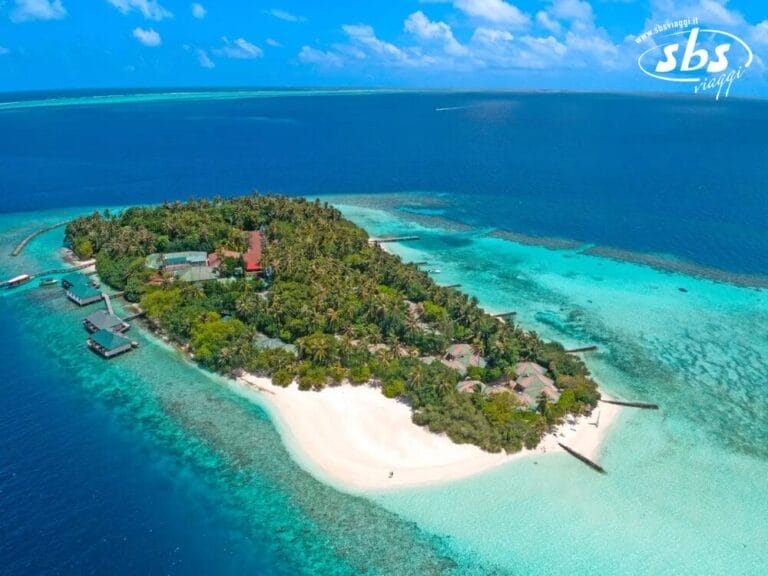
[[23, 244], [504, 315], [65, 270], [587, 461], [422, 263], [582, 349], [452, 286], [392, 239], [642, 405], [135, 316]]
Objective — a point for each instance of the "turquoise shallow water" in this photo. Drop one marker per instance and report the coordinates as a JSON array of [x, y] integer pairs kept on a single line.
[[224, 496], [685, 491]]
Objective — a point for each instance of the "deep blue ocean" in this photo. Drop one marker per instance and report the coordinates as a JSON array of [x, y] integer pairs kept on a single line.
[[145, 465], [684, 175]]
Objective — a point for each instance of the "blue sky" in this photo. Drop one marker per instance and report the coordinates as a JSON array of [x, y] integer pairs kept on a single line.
[[517, 44]]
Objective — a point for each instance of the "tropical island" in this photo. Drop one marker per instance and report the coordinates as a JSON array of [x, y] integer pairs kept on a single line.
[[289, 289]]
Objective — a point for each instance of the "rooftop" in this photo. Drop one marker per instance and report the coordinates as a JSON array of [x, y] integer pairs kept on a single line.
[[529, 369], [74, 279], [109, 340], [252, 257], [264, 343], [197, 274], [103, 320], [84, 291]]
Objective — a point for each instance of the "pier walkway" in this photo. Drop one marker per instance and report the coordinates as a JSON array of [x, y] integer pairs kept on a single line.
[[23, 244]]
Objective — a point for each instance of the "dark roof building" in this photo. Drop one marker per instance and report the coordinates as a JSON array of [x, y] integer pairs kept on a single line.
[[74, 279], [108, 344], [103, 320], [176, 260], [83, 294]]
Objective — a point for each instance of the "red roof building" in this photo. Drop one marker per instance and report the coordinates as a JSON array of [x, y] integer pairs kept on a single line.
[[215, 258], [252, 257]]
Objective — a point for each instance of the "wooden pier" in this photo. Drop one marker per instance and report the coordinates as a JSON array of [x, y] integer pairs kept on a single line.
[[65, 270], [54, 271], [642, 405], [504, 315], [392, 239], [587, 461], [23, 244], [135, 316], [452, 286], [583, 349]]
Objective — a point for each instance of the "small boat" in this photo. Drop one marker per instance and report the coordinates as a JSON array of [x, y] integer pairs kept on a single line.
[[18, 280], [48, 282], [434, 270]]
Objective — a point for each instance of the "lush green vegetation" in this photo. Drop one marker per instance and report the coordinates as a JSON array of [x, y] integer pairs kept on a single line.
[[353, 311]]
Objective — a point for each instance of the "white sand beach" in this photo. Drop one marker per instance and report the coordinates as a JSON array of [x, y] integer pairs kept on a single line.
[[353, 437]]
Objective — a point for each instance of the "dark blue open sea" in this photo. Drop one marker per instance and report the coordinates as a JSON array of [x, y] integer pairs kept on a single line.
[[553, 205]]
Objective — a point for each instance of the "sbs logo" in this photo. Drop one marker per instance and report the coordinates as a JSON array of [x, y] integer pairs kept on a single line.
[[711, 59]]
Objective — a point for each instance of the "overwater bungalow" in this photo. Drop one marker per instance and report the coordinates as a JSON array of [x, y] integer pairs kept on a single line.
[[104, 320], [108, 344], [83, 294], [73, 279]]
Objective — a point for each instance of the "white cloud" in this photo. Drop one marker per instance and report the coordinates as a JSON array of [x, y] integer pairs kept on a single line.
[[544, 20], [364, 35], [573, 10], [284, 15], [27, 10], [760, 33], [491, 36], [150, 9], [422, 27], [497, 11], [203, 59], [310, 55], [239, 48], [274, 43], [198, 11], [147, 37]]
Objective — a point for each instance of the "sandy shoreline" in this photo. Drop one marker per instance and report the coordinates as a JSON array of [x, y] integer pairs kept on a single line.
[[353, 437]]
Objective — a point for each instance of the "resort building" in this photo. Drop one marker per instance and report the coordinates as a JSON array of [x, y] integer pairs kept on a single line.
[[252, 257], [83, 294], [470, 386], [104, 320], [197, 274], [74, 279], [531, 386], [108, 344], [529, 369], [215, 259], [174, 261], [461, 356], [262, 342]]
